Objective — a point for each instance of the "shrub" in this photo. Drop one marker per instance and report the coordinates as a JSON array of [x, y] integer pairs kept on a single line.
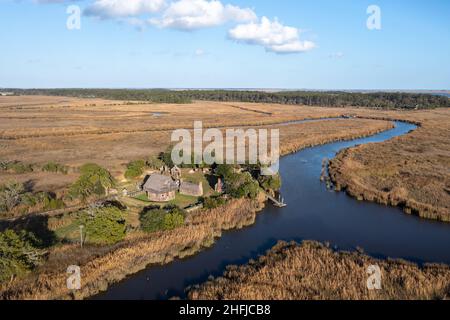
[[224, 170], [10, 195], [166, 157], [55, 167], [13, 195], [135, 169], [93, 181], [155, 219], [105, 225], [154, 163], [152, 220], [20, 167], [241, 185], [29, 199], [270, 182], [16, 167], [18, 253], [52, 203], [213, 202], [173, 220]]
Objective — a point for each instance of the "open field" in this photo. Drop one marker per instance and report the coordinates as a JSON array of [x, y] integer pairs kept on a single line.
[[112, 133], [412, 171], [312, 271]]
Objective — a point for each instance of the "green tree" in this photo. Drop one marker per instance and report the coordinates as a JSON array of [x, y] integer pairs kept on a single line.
[[135, 169], [173, 220], [155, 219], [269, 183], [152, 219], [104, 225], [241, 185], [224, 170], [166, 157], [19, 253], [154, 163], [93, 181]]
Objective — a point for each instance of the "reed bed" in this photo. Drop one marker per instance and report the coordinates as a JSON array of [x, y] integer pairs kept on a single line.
[[313, 271]]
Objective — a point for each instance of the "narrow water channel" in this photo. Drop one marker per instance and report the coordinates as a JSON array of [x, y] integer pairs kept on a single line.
[[313, 213]]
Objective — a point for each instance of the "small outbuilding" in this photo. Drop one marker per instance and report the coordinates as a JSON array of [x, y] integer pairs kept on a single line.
[[160, 188], [191, 189]]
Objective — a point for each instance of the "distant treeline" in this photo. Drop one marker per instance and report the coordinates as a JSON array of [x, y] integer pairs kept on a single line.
[[378, 100]]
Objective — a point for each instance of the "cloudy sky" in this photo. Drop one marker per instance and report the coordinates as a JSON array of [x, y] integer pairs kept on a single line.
[[320, 44]]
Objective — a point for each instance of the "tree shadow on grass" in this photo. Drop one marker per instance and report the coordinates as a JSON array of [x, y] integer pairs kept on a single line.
[[38, 225]]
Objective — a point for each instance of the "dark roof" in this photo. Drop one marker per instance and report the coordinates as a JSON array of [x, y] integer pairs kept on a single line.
[[157, 183]]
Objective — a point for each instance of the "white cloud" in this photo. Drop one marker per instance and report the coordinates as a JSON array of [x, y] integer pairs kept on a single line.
[[272, 35], [123, 8], [196, 14]]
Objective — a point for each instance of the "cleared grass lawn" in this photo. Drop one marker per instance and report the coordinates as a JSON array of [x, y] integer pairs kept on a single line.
[[66, 227], [181, 201]]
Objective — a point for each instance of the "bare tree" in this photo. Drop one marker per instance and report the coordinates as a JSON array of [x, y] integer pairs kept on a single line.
[[10, 195]]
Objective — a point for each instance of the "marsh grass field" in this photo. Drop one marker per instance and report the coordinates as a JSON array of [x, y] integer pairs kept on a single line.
[[412, 171], [313, 271], [73, 131]]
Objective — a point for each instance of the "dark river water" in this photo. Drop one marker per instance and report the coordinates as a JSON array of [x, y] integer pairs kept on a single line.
[[313, 213]]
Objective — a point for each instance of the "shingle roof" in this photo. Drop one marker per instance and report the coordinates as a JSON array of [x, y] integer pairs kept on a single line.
[[157, 183], [190, 187]]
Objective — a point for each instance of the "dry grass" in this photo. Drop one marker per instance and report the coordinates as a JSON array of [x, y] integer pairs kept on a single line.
[[312, 271], [101, 266], [299, 136], [412, 171], [73, 131]]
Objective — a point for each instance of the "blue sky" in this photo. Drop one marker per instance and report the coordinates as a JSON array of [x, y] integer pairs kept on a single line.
[[296, 44]]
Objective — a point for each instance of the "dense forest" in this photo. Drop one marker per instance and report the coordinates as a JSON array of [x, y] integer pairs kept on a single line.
[[378, 100]]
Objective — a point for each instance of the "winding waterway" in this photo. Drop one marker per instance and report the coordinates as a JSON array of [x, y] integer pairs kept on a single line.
[[313, 213]]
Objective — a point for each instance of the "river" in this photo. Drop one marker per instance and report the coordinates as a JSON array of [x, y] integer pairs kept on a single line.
[[313, 213]]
